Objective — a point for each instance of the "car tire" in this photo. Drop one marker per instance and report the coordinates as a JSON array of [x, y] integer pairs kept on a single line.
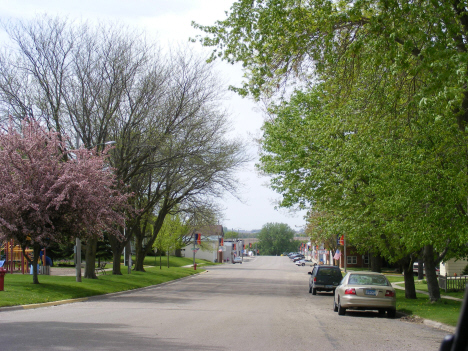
[[310, 289], [303, 264], [335, 306], [391, 313], [341, 310], [314, 291]]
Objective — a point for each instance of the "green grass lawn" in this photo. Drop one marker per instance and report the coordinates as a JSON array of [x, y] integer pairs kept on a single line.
[[444, 311], [175, 261], [19, 289]]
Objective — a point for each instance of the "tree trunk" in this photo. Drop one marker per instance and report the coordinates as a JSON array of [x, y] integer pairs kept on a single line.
[[139, 251], [116, 255], [376, 262], [410, 289], [431, 276], [117, 249], [90, 258], [421, 265], [36, 252]]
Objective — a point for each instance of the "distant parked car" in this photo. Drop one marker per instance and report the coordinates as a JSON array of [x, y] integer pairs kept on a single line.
[[324, 278], [237, 259], [303, 262], [365, 291], [297, 258]]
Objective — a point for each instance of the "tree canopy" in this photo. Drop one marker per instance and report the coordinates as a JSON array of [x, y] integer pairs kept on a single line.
[[276, 238]]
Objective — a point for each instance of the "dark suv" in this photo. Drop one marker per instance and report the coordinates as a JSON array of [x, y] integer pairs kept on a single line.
[[324, 278]]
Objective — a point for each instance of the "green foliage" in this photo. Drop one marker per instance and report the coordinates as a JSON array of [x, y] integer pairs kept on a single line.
[[465, 270], [231, 235], [276, 238], [171, 233]]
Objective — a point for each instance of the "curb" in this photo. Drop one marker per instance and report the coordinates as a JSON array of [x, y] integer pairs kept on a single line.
[[43, 304], [89, 298], [440, 326]]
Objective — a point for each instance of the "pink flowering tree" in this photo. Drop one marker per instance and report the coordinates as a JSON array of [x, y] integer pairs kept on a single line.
[[50, 194]]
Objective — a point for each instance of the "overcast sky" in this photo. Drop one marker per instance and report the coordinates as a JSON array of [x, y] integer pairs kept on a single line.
[[169, 22]]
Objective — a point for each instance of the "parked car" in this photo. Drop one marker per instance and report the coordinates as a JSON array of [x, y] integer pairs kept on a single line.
[[415, 269], [365, 291], [297, 258], [237, 259], [324, 278], [303, 262]]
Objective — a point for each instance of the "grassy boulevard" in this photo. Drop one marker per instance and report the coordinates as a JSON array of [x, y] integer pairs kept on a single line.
[[19, 289], [444, 311]]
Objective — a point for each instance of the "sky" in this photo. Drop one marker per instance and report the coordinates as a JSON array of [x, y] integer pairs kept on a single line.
[[169, 23]]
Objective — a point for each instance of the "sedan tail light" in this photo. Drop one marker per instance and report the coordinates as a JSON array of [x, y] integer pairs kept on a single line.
[[389, 293], [350, 291], [315, 279]]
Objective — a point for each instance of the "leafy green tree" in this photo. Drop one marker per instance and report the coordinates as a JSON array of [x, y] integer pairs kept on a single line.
[[276, 238], [231, 235], [170, 235]]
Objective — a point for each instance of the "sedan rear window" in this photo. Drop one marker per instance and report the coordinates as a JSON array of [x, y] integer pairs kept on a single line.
[[364, 279]]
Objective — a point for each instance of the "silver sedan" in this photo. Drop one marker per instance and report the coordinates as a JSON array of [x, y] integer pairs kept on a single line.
[[365, 291]]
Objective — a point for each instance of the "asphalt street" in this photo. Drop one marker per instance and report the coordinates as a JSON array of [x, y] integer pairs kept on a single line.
[[262, 304]]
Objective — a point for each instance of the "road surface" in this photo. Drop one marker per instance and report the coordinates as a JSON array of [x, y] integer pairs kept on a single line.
[[262, 304]]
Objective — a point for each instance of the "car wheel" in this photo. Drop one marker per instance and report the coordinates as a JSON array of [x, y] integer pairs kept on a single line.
[[335, 306], [303, 264], [314, 291], [391, 313], [310, 289], [341, 310]]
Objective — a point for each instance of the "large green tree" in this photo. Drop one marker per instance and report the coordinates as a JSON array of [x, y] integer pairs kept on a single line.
[[276, 238]]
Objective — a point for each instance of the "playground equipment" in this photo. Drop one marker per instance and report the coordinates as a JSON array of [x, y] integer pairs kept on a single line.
[[15, 260]]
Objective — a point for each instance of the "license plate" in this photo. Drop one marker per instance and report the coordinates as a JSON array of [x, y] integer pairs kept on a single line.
[[328, 286], [370, 292]]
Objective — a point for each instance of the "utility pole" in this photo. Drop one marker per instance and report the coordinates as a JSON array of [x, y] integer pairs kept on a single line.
[[344, 253]]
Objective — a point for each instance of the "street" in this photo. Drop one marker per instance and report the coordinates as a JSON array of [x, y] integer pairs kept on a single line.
[[262, 304]]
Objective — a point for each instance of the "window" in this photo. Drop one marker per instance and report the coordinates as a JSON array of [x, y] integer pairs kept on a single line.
[[366, 259], [352, 259]]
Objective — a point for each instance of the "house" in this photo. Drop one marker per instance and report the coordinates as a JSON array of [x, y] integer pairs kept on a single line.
[[453, 266]]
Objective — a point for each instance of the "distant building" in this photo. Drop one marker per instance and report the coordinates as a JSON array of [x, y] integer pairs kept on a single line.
[[210, 246]]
